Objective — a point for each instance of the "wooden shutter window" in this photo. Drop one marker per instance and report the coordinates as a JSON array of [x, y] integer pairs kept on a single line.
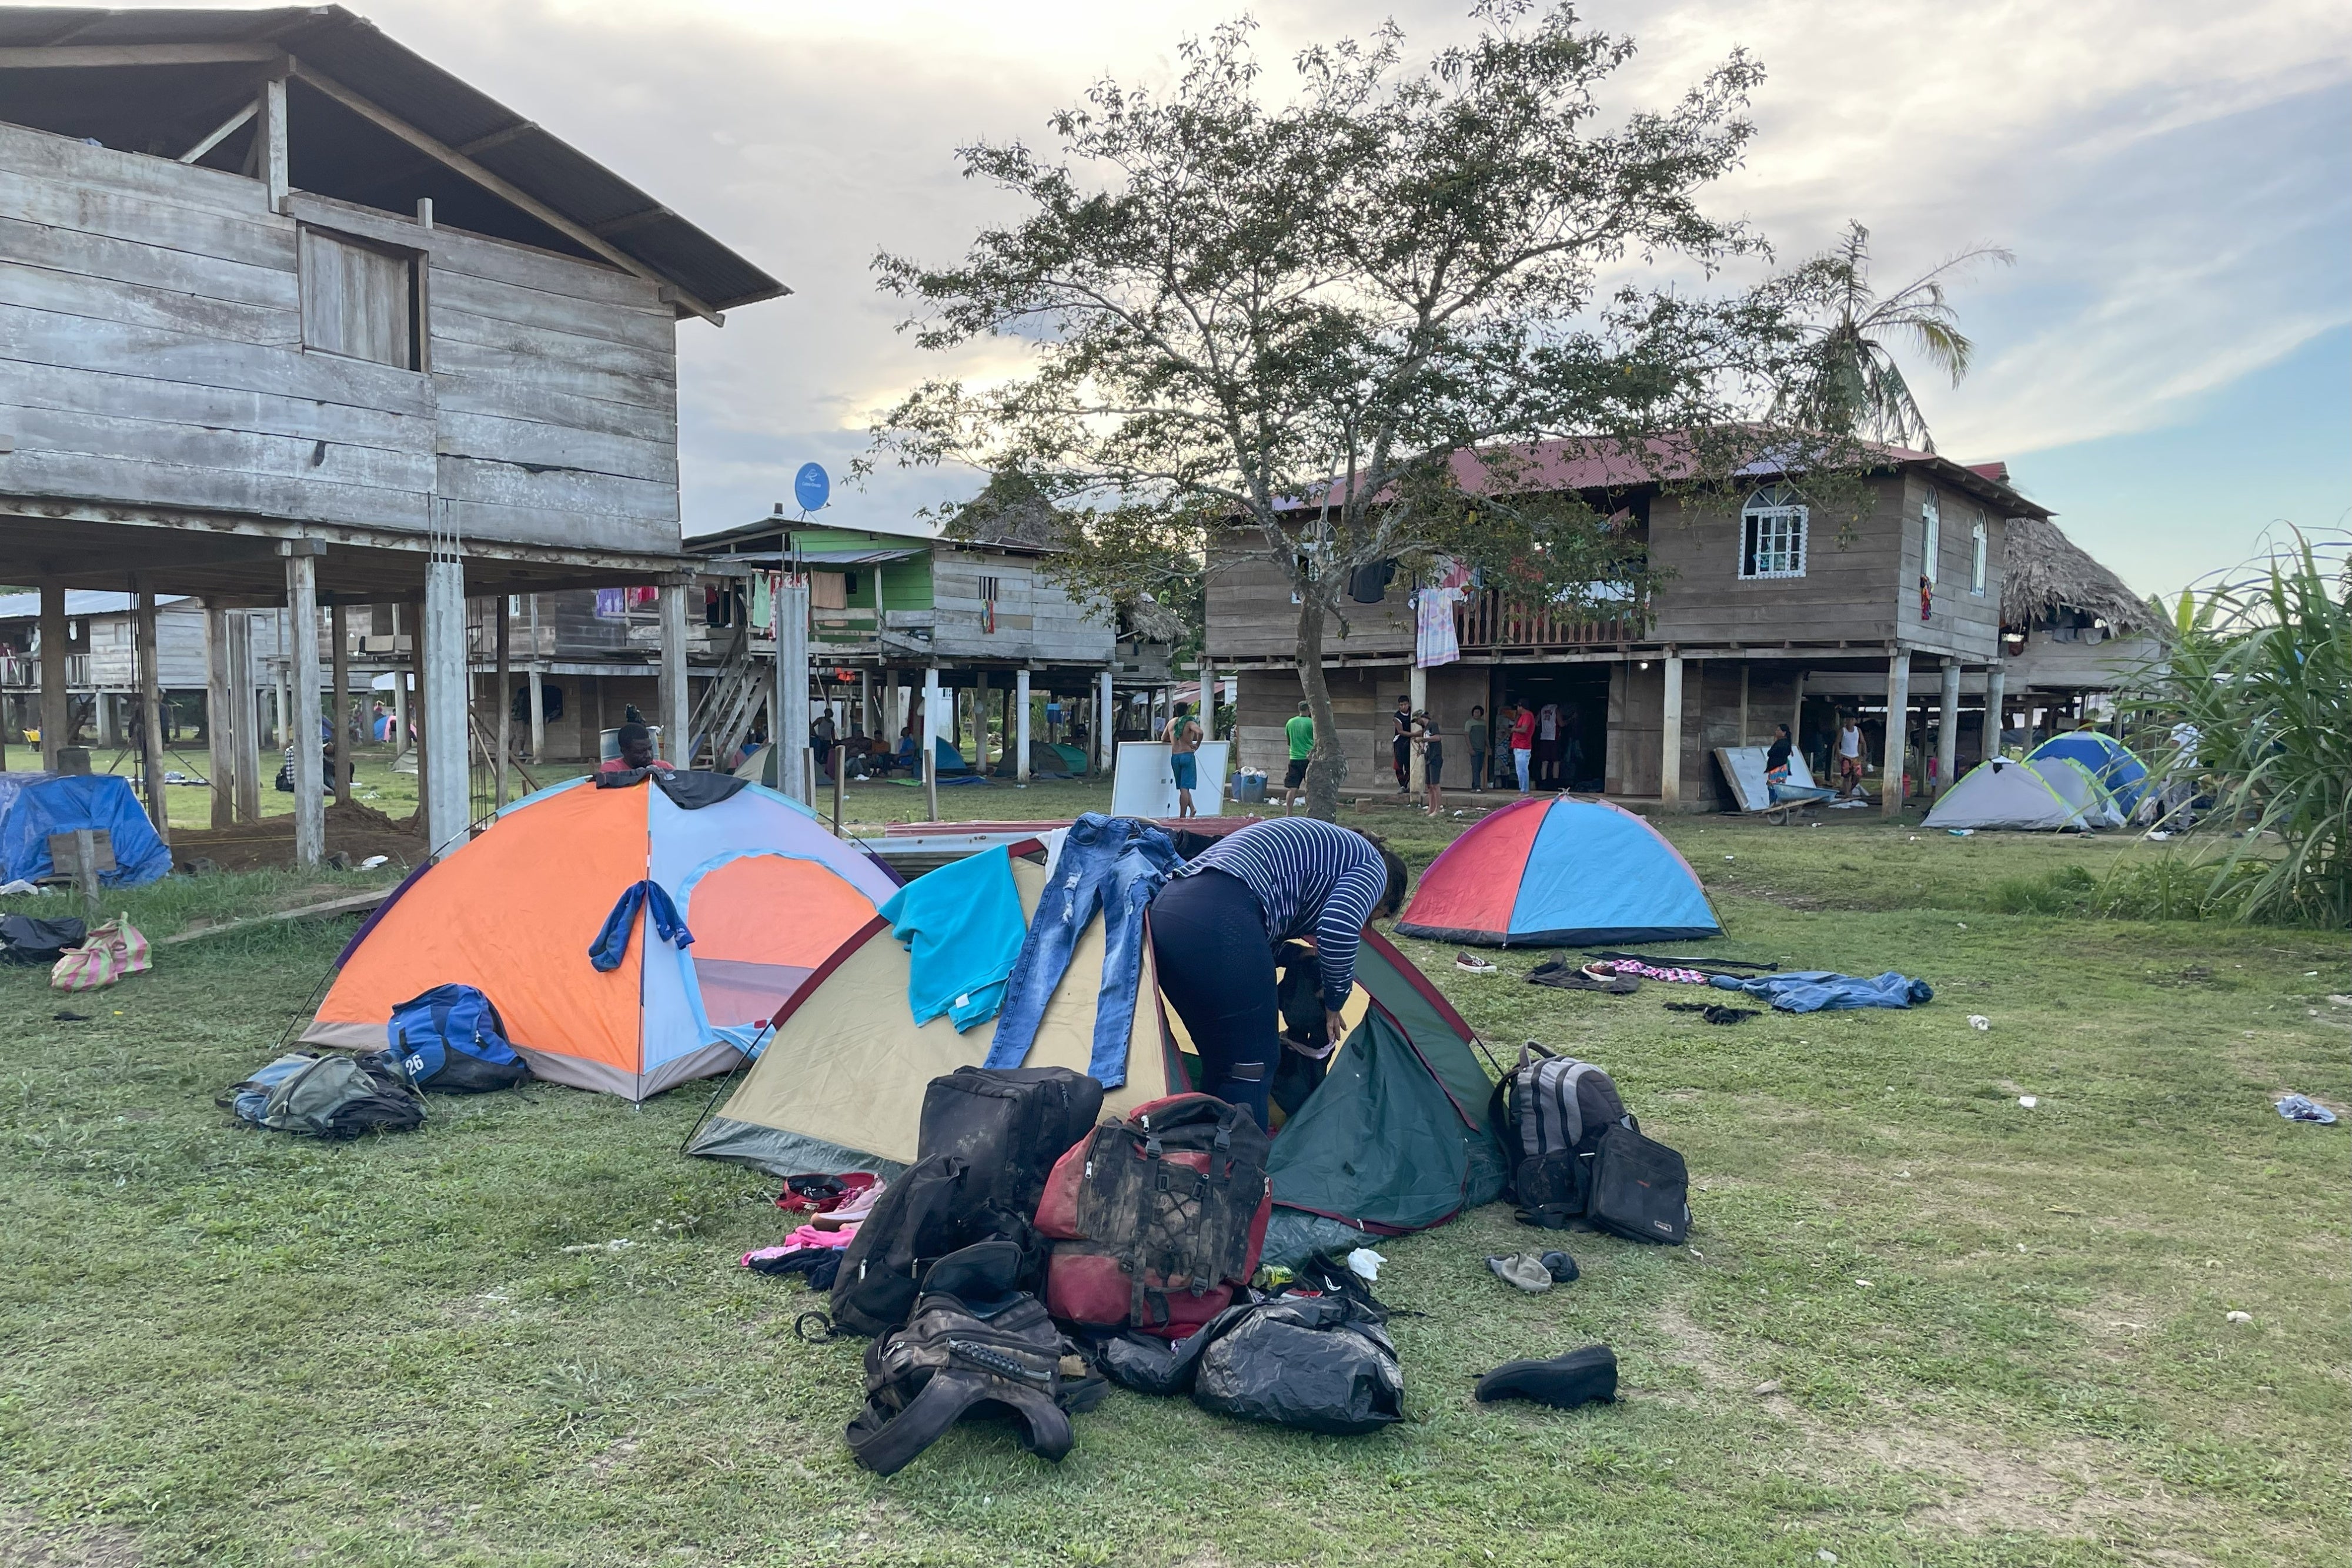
[[359, 300]]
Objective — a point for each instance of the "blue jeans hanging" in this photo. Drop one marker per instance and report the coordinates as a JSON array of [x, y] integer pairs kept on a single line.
[[1111, 864]]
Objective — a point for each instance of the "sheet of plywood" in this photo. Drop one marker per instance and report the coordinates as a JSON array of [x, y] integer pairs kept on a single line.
[[1744, 767]]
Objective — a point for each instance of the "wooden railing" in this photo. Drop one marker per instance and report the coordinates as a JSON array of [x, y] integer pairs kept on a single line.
[[1489, 621]]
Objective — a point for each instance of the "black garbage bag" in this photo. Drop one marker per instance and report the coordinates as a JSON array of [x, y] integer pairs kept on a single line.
[[1311, 1361], [25, 940]]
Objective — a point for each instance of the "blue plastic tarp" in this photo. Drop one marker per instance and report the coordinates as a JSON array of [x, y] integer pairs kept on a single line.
[[34, 806]]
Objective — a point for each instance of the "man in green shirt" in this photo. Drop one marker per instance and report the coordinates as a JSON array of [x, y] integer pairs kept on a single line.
[[1473, 735], [1301, 733]]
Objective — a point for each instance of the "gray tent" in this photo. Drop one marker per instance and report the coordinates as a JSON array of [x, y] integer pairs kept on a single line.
[[2004, 794]]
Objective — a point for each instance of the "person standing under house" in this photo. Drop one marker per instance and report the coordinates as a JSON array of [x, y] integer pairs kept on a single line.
[[1215, 926], [1299, 731], [1474, 741], [1430, 740], [1182, 734], [1851, 755], [1523, 742], [1400, 745], [1548, 745]]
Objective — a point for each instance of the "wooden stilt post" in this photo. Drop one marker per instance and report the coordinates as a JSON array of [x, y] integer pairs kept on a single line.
[[339, 682], [302, 675], [151, 717]]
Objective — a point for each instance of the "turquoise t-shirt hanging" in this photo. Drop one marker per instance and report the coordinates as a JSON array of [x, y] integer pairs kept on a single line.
[[962, 926]]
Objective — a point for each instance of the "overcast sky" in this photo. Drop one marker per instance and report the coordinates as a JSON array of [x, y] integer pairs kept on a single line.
[[2169, 365]]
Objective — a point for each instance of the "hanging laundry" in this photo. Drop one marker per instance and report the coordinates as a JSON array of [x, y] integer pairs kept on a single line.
[[612, 944], [1433, 639], [611, 603], [763, 602]]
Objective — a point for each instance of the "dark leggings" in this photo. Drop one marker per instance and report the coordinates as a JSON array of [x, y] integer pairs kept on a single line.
[[1216, 968]]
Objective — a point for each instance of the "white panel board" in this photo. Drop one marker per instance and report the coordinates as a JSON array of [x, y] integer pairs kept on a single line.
[[1143, 785]]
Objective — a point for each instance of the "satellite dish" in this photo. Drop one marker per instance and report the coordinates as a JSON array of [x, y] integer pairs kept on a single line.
[[810, 487]]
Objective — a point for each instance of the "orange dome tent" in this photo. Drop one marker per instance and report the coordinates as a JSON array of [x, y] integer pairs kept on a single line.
[[765, 891]]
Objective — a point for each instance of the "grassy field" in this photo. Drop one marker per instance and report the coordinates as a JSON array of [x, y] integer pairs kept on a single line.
[[1918, 1323]]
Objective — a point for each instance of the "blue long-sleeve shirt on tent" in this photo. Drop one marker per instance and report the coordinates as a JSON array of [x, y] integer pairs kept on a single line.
[[612, 944]]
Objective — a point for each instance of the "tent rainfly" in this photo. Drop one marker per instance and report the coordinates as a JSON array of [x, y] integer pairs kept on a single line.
[[2003, 794]]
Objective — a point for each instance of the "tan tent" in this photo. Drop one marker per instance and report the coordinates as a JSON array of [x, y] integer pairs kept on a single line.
[[839, 1086]]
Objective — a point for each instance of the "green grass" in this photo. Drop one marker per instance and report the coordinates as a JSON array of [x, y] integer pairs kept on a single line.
[[246, 1348]]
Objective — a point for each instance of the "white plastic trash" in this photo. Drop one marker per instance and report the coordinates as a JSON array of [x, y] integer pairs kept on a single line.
[[1365, 1263], [1978, 1022], [2028, 1101]]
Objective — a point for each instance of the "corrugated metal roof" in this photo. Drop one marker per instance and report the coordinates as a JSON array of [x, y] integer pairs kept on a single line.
[[79, 601], [1608, 465], [351, 50]]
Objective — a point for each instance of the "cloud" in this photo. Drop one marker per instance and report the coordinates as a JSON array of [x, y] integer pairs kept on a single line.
[[2172, 175]]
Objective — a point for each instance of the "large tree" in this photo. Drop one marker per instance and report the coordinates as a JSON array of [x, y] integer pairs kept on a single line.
[[1272, 325]]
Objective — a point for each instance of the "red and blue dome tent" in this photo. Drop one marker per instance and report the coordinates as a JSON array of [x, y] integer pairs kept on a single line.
[[1560, 872]]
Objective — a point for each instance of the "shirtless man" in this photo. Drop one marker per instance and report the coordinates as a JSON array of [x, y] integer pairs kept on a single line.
[[1182, 734]]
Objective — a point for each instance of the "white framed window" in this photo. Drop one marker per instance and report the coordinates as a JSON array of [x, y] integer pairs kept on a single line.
[[1772, 534], [1977, 552], [1931, 537]]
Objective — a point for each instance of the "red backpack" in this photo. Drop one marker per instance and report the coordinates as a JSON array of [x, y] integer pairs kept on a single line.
[[1156, 1219]]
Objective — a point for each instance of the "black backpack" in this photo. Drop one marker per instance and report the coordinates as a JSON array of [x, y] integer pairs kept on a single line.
[[919, 1218], [1008, 1125], [987, 1141], [1641, 1189], [1550, 1113], [973, 1340]]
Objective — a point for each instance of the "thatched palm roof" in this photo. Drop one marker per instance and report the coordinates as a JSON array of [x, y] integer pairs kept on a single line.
[[2048, 571]]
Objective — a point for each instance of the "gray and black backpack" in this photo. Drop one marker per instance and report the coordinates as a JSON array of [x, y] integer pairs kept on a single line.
[[329, 1096], [1578, 1155], [1550, 1113]]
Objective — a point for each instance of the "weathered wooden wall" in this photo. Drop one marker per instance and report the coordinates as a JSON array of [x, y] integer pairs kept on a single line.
[[1036, 619], [151, 352], [1251, 615]]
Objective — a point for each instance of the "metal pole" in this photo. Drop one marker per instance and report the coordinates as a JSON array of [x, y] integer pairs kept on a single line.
[[302, 619]]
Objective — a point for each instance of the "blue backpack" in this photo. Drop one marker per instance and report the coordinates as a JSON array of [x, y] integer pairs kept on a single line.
[[451, 1038]]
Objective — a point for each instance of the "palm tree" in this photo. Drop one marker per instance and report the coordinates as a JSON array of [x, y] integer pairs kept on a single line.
[[1855, 388]]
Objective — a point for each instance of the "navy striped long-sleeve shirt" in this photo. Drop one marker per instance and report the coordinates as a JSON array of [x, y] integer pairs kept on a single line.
[[1310, 878]]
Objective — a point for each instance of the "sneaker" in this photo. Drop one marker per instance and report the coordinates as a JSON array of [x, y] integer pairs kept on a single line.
[[1524, 1269], [1471, 964]]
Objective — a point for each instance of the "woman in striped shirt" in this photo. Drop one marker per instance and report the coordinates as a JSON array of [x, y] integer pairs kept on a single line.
[[1215, 925]]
